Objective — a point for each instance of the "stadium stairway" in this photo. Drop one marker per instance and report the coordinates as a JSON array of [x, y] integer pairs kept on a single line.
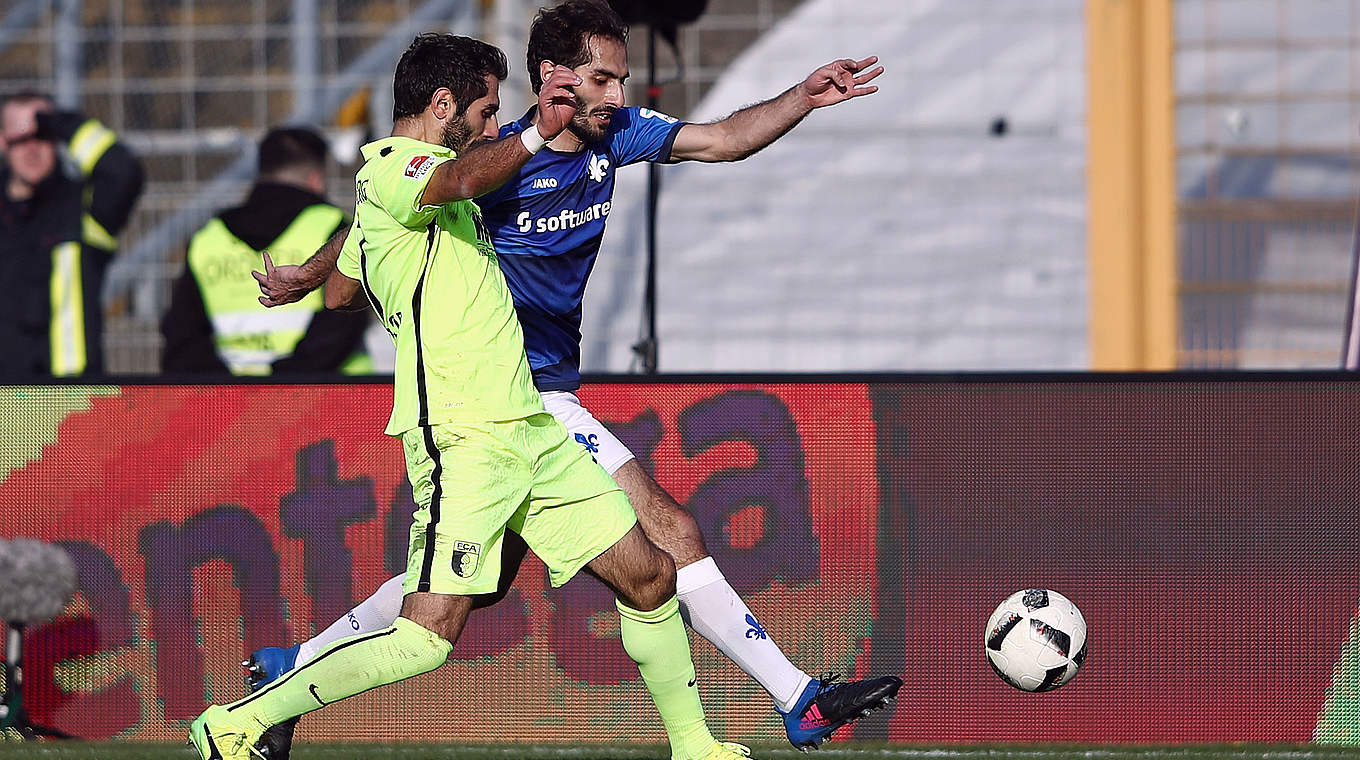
[[896, 231]]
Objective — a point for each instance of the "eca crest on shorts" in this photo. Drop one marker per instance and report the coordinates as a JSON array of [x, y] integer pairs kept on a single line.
[[466, 558]]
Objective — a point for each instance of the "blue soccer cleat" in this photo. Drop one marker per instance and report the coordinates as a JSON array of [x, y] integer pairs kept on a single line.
[[826, 705], [266, 664]]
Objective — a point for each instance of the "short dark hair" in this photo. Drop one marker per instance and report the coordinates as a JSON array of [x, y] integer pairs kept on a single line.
[[292, 148], [437, 60], [561, 34]]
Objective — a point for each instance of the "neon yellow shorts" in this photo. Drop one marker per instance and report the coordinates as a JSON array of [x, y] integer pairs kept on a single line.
[[472, 482]]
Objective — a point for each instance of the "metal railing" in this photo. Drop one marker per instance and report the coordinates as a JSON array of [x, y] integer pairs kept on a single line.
[[1266, 110], [191, 87]]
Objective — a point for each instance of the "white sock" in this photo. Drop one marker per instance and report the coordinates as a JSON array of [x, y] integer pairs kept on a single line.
[[372, 614], [714, 611]]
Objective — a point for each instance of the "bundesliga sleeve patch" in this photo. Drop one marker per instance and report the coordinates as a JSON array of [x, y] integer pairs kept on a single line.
[[648, 113], [419, 167]]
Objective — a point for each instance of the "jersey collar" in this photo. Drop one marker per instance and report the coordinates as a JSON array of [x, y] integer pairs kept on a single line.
[[527, 119], [397, 142]]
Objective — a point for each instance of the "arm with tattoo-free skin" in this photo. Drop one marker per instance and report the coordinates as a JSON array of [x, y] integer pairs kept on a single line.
[[477, 172], [289, 283], [486, 167], [754, 127]]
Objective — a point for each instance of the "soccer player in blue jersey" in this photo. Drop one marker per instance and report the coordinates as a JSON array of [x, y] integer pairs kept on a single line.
[[546, 223]]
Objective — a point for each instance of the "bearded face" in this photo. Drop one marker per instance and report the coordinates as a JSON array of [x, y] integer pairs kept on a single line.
[[591, 123], [477, 124], [601, 93], [457, 134]]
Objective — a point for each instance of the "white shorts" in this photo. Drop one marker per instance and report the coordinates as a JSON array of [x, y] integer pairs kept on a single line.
[[586, 430]]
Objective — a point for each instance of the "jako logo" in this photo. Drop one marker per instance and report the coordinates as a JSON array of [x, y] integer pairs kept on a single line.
[[542, 182], [598, 165]]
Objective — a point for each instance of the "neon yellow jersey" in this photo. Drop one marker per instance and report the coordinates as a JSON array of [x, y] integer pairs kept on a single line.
[[431, 274]]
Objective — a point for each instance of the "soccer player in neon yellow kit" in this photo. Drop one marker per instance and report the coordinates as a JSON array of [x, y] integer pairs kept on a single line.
[[482, 454], [547, 266]]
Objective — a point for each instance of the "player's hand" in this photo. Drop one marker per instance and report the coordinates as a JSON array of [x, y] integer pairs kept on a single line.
[[557, 102], [280, 285], [841, 80]]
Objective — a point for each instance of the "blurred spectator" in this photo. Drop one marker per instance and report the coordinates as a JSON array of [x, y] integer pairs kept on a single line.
[[69, 187], [216, 323]]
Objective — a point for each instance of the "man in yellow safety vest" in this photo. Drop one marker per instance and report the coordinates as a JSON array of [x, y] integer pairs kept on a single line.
[[216, 323]]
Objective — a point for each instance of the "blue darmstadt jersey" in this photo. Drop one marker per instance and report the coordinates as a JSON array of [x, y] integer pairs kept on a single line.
[[547, 223]]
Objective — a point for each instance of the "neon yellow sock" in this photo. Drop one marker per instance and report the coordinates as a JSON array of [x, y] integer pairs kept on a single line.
[[347, 667], [658, 643]]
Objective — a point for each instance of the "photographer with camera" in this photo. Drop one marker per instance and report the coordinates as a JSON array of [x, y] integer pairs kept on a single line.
[[68, 190]]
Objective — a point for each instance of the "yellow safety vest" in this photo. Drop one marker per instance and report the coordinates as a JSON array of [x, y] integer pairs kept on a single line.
[[249, 336]]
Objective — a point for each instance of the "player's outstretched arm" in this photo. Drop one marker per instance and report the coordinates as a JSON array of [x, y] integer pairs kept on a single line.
[[752, 128], [486, 167], [289, 283]]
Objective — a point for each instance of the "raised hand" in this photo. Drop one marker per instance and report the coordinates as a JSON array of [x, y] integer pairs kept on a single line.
[[841, 80], [280, 285], [557, 103]]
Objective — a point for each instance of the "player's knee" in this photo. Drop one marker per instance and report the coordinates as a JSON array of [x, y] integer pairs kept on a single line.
[[442, 614], [655, 582], [688, 534], [676, 530]]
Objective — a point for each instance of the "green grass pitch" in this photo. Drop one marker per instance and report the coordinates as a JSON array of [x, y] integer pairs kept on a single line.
[[843, 751]]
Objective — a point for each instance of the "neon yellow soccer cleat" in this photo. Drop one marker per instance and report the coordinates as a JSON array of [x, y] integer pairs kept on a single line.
[[216, 737]]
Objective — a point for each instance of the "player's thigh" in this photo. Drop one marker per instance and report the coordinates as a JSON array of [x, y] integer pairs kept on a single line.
[[575, 510], [603, 446], [668, 525], [468, 482]]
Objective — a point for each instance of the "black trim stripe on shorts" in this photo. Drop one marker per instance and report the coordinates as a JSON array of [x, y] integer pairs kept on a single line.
[[436, 475]]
